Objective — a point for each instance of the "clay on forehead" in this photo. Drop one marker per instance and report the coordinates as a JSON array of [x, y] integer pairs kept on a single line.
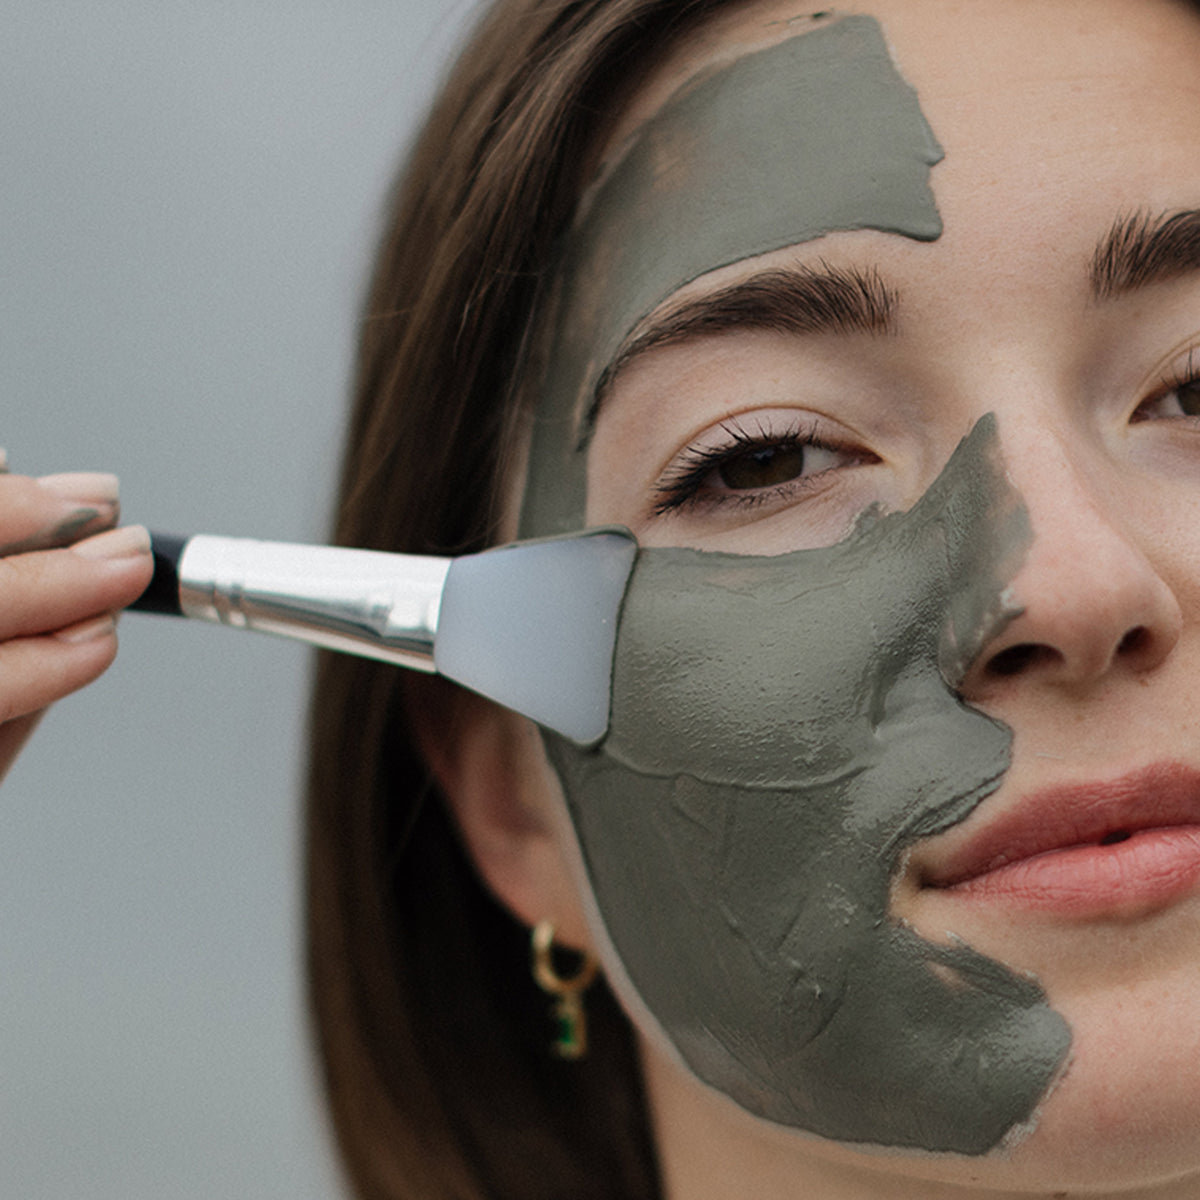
[[782, 731], [813, 134]]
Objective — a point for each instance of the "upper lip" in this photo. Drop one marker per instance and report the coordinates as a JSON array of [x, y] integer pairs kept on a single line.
[[1059, 818]]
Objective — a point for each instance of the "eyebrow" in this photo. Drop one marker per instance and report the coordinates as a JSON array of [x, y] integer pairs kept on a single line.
[[1140, 250], [799, 299]]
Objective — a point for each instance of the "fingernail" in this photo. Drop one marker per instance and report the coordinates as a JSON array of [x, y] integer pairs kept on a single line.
[[89, 630], [126, 542], [92, 487], [3, 461]]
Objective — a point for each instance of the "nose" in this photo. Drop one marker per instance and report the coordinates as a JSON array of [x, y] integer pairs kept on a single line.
[[1093, 605]]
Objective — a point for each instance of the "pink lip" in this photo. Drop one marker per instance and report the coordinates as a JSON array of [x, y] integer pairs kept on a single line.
[[1121, 848]]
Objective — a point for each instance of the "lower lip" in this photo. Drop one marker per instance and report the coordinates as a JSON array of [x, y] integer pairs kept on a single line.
[[1149, 870]]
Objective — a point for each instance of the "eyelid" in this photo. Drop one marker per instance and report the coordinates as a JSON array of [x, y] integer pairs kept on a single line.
[[770, 424], [1175, 367], [771, 421], [1181, 368]]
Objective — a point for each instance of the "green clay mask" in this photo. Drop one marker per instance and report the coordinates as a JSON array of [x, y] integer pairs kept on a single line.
[[781, 732], [782, 728]]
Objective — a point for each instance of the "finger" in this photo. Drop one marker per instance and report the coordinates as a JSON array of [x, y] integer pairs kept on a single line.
[[36, 671], [50, 589], [56, 510]]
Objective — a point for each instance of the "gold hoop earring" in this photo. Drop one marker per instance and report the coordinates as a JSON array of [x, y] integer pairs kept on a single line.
[[570, 1041]]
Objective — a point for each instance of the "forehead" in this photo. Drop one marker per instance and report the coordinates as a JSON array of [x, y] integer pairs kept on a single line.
[[983, 65], [1018, 91], [995, 40]]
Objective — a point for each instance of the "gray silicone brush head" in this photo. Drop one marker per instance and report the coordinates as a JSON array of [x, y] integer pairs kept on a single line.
[[533, 626]]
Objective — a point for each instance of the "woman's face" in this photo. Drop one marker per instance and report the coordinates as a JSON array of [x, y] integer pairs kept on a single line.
[[952, 419]]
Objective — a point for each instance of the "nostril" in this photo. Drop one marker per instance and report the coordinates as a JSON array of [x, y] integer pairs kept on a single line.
[[1014, 659], [1136, 640]]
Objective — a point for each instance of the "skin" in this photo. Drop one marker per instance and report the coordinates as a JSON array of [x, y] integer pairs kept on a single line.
[[1082, 111]]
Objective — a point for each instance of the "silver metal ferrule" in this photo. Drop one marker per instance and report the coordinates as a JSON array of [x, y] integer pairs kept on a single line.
[[363, 602]]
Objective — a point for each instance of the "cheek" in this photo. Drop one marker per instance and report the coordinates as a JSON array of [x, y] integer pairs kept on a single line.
[[761, 948], [780, 733]]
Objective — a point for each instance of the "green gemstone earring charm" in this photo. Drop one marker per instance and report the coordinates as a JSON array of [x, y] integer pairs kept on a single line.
[[570, 1016]]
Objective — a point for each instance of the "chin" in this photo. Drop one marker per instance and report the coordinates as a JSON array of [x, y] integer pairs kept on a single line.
[[1124, 1112], [1122, 1116]]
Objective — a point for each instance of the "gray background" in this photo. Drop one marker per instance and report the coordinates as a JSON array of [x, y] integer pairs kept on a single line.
[[188, 193]]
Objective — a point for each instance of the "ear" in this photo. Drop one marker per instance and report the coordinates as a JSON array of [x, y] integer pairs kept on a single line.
[[492, 770]]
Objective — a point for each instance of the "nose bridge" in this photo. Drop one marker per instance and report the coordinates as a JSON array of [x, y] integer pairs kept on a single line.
[[1090, 597], [1072, 519]]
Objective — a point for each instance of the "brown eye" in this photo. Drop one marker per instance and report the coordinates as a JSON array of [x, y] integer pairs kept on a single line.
[[766, 466], [750, 467], [1187, 397]]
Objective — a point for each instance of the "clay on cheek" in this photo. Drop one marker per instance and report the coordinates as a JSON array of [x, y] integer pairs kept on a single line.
[[814, 134], [781, 732]]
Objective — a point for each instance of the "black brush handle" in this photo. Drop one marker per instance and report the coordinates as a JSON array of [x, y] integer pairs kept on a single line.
[[162, 596]]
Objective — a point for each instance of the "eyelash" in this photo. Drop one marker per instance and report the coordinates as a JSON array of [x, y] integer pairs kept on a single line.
[[682, 485]]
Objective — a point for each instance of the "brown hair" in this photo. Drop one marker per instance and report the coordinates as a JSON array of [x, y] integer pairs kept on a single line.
[[433, 1037]]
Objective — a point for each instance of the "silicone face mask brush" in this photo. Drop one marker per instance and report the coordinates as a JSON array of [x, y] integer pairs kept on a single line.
[[531, 625]]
